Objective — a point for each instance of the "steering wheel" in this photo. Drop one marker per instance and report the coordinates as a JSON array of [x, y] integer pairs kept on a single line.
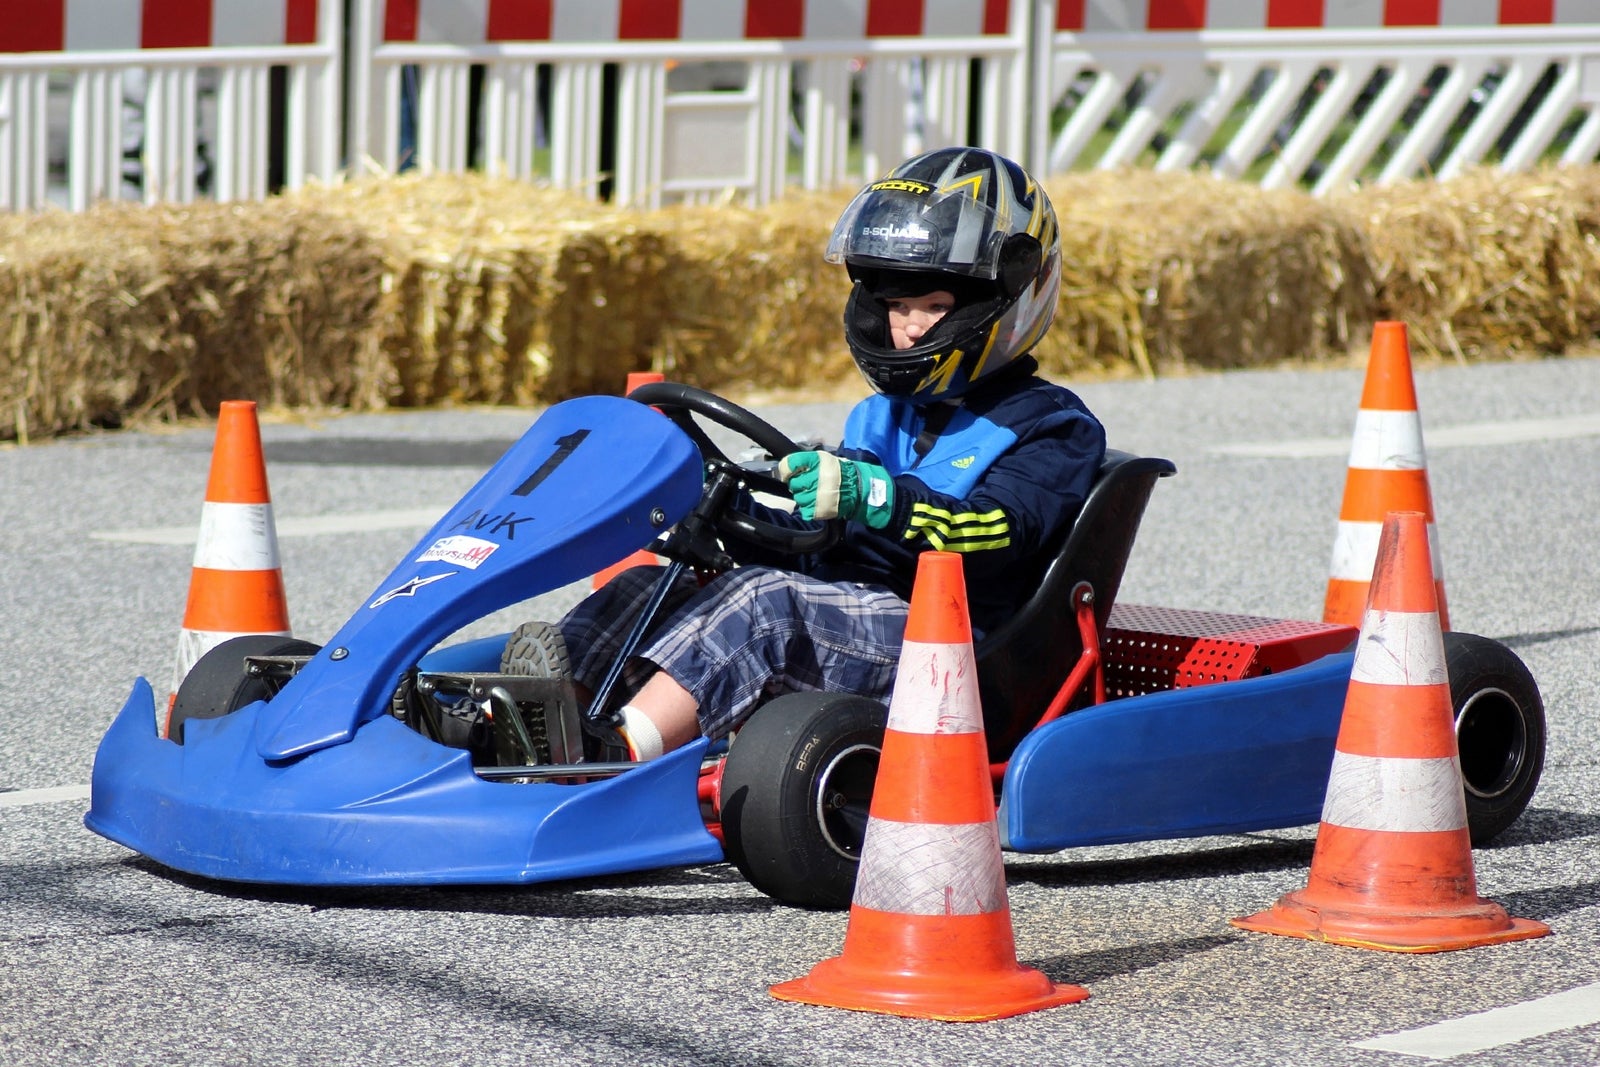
[[681, 403]]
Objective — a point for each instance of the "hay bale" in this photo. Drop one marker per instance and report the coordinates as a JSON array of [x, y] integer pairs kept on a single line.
[[613, 306], [750, 300], [1489, 265], [1164, 271], [428, 289], [473, 276], [127, 312]]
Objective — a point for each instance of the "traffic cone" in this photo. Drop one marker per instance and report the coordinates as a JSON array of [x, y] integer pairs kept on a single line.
[[1388, 471], [1392, 868], [640, 557], [236, 585], [930, 925]]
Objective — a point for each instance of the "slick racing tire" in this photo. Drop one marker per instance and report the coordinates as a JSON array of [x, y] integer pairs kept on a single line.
[[796, 789], [1500, 731], [218, 683]]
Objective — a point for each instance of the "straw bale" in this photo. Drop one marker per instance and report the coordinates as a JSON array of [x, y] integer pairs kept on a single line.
[[750, 301], [428, 289], [613, 305], [1163, 271], [473, 274], [1489, 265], [125, 312]]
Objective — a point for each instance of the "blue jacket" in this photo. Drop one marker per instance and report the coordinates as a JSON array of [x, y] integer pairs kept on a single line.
[[1001, 481]]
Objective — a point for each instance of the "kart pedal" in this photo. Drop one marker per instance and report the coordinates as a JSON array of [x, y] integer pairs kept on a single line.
[[525, 716]]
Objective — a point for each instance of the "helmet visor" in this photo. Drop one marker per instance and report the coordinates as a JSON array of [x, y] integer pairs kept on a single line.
[[905, 223]]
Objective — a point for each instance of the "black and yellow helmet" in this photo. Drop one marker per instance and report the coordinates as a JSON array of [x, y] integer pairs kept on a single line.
[[965, 220]]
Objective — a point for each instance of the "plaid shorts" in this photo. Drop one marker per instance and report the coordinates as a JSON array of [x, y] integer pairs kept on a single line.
[[748, 635]]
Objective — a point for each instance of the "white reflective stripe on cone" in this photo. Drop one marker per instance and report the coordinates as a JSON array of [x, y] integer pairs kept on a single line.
[[944, 696], [1355, 551], [192, 644], [1400, 648], [236, 537], [1389, 793], [931, 868], [1387, 441]]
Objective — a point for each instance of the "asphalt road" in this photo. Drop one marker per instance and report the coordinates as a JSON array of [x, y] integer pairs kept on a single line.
[[106, 958]]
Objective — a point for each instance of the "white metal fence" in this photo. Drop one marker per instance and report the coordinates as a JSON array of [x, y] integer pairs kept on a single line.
[[88, 114], [653, 101], [1327, 107], [689, 117]]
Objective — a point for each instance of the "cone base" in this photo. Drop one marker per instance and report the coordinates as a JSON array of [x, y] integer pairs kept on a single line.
[[1481, 922], [969, 998]]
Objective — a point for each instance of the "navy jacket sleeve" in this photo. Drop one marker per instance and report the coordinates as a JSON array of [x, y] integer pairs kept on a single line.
[[1019, 505]]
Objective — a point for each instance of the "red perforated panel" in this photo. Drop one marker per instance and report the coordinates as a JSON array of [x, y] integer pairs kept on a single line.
[[1149, 649]]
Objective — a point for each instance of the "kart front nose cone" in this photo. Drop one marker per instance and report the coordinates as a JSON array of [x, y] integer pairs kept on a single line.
[[387, 808]]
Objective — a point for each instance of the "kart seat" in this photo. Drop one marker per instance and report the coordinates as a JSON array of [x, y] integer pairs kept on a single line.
[[1022, 664]]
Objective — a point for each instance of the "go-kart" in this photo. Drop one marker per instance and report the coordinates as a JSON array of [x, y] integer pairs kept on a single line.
[[387, 757]]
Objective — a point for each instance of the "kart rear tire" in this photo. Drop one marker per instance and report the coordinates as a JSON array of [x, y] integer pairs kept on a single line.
[[1500, 731], [796, 789], [218, 684]]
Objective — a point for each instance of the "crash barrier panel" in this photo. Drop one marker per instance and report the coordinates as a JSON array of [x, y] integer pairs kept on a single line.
[[930, 933], [1319, 92], [110, 91], [236, 584], [1388, 471], [593, 95], [544, 70], [1392, 867]]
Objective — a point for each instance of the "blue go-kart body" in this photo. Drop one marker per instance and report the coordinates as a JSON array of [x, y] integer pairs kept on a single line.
[[322, 785]]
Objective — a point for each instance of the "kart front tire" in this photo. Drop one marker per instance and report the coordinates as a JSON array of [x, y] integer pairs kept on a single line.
[[218, 683], [1500, 731], [796, 790]]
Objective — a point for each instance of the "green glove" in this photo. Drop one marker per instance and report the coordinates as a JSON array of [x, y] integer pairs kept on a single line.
[[827, 487]]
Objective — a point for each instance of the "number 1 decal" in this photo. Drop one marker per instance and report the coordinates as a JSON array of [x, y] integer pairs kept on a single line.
[[565, 446]]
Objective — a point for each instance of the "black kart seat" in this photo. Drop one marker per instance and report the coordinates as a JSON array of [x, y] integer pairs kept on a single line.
[[1022, 664]]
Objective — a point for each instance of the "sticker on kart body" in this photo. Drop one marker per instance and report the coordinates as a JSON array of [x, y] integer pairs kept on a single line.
[[459, 549], [493, 524], [410, 588]]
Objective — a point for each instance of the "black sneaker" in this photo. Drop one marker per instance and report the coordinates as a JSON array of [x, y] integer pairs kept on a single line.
[[537, 650]]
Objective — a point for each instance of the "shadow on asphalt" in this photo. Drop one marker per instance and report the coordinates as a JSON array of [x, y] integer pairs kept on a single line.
[[1250, 858], [1088, 967]]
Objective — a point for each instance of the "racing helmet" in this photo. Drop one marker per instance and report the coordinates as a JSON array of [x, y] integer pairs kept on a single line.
[[965, 220]]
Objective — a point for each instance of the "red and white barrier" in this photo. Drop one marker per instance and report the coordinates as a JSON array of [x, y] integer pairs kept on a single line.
[[94, 25], [1316, 93], [133, 74], [1137, 16], [589, 21]]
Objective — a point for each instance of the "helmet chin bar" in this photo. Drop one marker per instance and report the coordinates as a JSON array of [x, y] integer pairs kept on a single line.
[[899, 372]]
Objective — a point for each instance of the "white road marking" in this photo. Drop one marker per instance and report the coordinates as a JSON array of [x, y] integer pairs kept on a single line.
[[1479, 433], [309, 526], [1501, 1026], [23, 798]]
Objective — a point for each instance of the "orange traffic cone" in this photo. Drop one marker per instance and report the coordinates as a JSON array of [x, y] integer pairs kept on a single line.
[[1392, 867], [236, 585], [930, 925], [1388, 471], [640, 557]]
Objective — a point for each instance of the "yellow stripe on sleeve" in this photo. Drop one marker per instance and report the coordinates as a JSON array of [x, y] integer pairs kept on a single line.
[[959, 532]]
